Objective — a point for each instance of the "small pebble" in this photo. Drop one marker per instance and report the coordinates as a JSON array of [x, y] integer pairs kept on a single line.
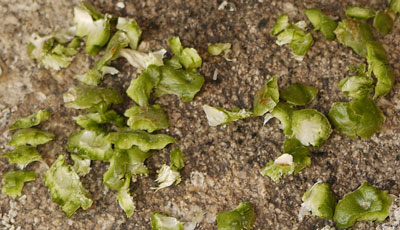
[[121, 5]]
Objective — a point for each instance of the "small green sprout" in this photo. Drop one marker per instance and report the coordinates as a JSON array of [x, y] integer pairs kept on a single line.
[[183, 83], [360, 117], [32, 120], [365, 203], [275, 169], [310, 127], [13, 182], [322, 22], [92, 98], [94, 120], [281, 24], [132, 30], [295, 35], [379, 65], [218, 48], [299, 94], [90, 25], [30, 136], [149, 118], [125, 199], [357, 86], [165, 222], [359, 12], [219, 116], [141, 87], [169, 175], [23, 155], [293, 160], [65, 187], [125, 163], [284, 113], [81, 165], [395, 6], [318, 201], [384, 21], [240, 218], [267, 97], [188, 57], [176, 159], [354, 34], [117, 42], [90, 144], [125, 139]]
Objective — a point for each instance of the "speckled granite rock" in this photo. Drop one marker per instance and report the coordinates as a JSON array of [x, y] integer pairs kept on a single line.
[[222, 163]]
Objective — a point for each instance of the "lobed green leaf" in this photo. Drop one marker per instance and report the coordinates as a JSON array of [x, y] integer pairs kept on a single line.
[[65, 187], [13, 182]]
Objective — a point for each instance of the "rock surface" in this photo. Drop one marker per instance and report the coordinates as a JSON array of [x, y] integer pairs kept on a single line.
[[222, 164]]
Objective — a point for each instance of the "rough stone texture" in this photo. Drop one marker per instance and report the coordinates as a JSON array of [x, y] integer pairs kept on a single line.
[[222, 163]]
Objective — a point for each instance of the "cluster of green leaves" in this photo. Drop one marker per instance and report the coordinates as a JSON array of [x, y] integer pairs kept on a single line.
[[295, 35], [358, 36], [24, 141], [56, 50], [118, 41], [128, 34], [176, 76], [383, 20], [360, 117], [126, 148], [365, 203], [95, 142], [355, 33], [93, 25], [124, 166], [303, 127]]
